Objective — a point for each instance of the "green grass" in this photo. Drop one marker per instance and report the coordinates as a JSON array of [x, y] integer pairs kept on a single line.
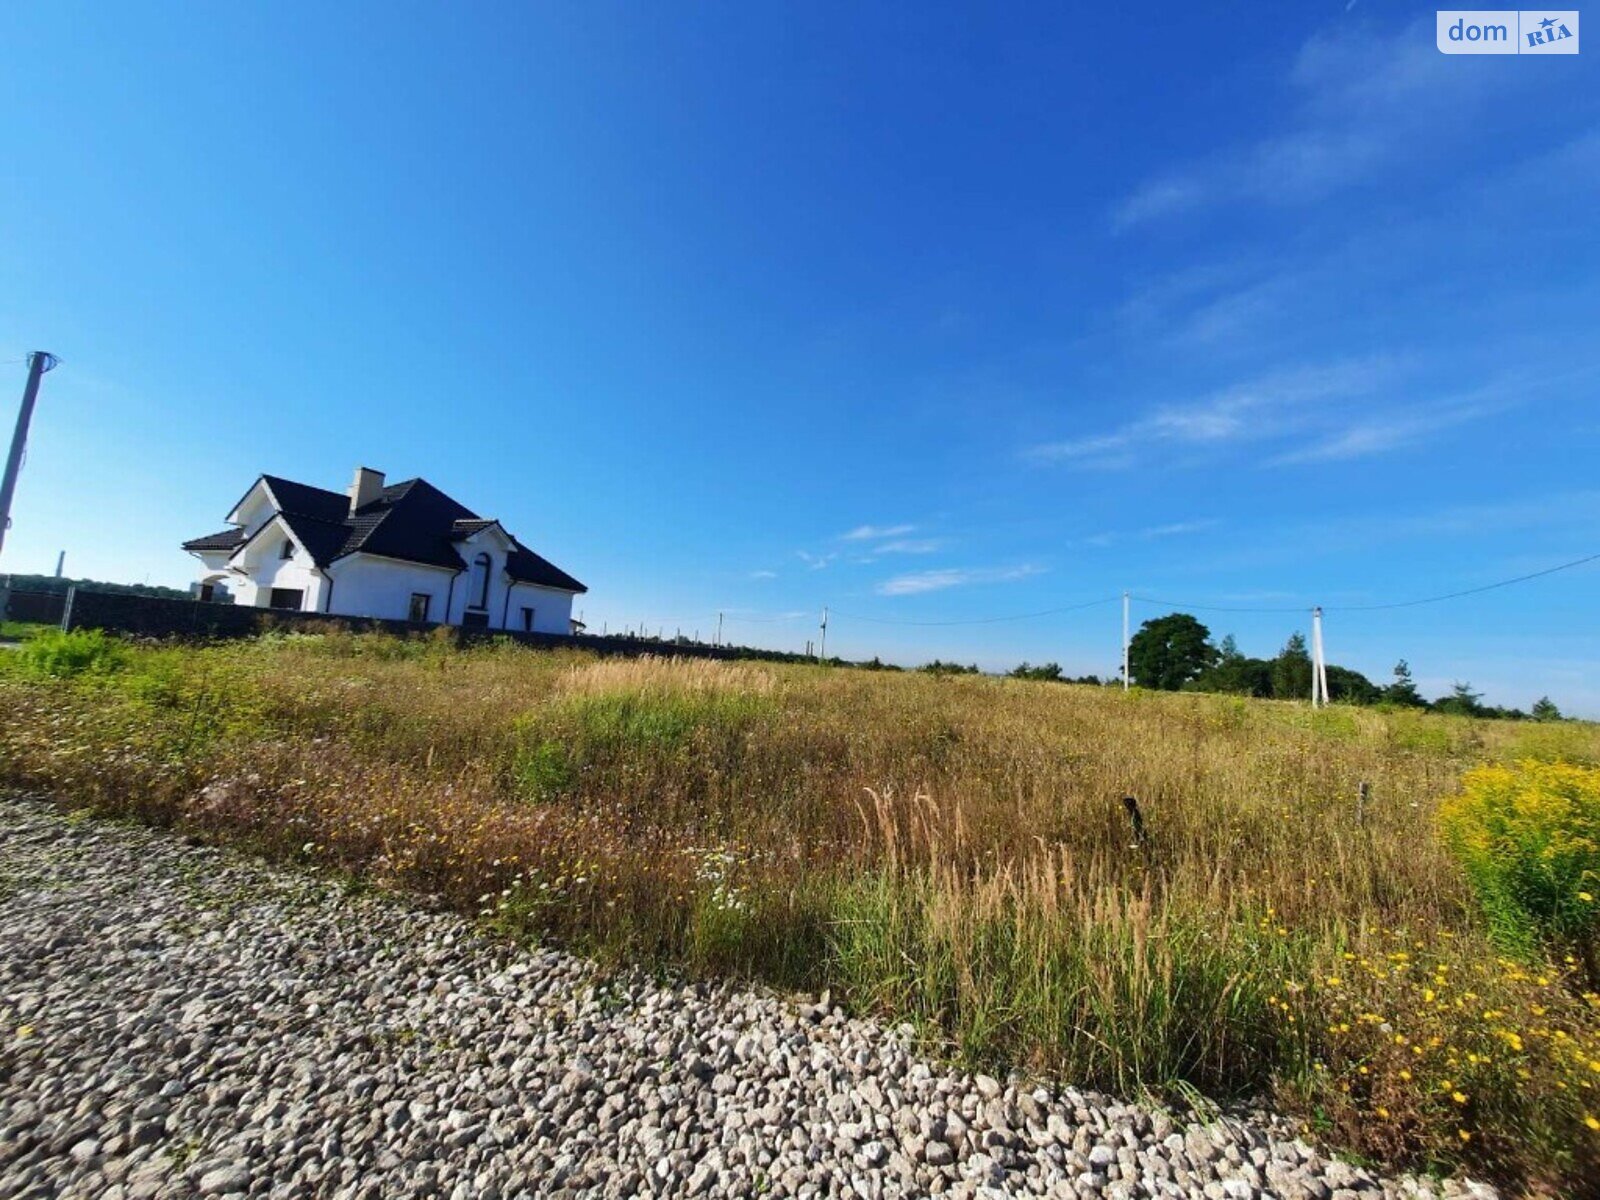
[[950, 850], [21, 631]]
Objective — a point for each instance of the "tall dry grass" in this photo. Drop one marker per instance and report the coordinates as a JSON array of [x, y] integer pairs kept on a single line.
[[949, 849]]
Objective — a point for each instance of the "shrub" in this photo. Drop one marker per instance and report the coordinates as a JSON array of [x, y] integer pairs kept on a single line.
[[80, 652], [542, 769], [1529, 837]]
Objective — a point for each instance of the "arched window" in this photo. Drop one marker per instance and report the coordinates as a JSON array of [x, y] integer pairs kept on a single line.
[[480, 580]]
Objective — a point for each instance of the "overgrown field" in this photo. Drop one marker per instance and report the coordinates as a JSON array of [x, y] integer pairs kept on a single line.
[[1417, 976]]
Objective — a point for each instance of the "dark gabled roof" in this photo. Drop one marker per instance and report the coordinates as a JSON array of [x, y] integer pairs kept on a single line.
[[465, 529], [525, 566], [323, 540], [301, 499], [412, 521], [225, 540]]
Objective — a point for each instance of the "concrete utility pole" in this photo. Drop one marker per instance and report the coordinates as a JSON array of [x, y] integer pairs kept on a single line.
[[61, 563], [822, 655], [38, 363], [1319, 661]]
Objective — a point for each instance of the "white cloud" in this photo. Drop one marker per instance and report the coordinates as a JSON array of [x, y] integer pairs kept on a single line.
[[911, 546], [1358, 104], [1260, 410], [763, 574], [863, 533], [1178, 528], [919, 582], [815, 561]]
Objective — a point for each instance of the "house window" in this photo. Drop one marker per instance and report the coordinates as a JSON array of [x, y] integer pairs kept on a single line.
[[480, 580], [527, 619], [207, 592], [287, 549], [287, 598], [419, 606]]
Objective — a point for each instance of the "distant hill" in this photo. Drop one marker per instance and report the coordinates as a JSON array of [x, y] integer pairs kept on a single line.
[[49, 583]]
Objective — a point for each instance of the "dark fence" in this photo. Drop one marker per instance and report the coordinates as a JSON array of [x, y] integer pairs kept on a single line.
[[38, 607], [153, 616]]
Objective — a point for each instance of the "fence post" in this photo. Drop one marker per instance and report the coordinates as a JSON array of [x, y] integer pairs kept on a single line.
[[1361, 804], [66, 609]]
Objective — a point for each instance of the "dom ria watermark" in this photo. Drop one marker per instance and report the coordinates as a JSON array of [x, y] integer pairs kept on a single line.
[[1508, 31]]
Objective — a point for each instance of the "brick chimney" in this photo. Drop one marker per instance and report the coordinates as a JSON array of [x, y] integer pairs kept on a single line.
[[366, 487]]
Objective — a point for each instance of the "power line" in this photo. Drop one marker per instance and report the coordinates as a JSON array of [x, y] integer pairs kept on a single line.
[[1048, 612], [1473, 591], [783, 618], [1488, 587], [1299, 608]]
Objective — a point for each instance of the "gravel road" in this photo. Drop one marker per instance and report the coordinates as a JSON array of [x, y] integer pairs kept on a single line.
[[177, 1020]]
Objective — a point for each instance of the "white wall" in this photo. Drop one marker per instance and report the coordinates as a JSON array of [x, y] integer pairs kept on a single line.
[[365, 585], [267, 569], [552, 609], [255, 510]]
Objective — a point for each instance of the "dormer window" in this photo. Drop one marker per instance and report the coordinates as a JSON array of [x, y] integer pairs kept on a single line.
[[480, 580]]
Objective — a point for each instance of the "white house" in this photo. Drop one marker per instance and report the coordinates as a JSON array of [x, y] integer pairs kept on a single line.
[[406, 551]]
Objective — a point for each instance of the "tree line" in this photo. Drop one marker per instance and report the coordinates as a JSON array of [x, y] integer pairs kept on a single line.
[[1175, 653], [58, 585]]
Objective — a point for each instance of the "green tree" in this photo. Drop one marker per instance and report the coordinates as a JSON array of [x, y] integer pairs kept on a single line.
[[1545, 710], [1291, 670], [1169, 651], [1352, 687], [1462, 701], [1234, 673], [1048, 673], [1403, 690]]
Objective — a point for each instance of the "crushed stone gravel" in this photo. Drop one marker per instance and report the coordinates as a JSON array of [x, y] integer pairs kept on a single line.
[[178, 1020]]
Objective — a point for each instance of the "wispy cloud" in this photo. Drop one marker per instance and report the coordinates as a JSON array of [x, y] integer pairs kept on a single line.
[[815, 561], [1178, 528], [1153, 532], [919, 582], [867, 533], [763, 575], [911, 546], [1263, 409], [1358, 103], [1382, 434]]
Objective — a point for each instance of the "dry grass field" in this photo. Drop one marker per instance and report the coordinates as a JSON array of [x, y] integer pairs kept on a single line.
[[950, 850]]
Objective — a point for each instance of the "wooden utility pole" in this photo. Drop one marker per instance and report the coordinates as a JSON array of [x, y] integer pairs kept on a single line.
[[38, 363]]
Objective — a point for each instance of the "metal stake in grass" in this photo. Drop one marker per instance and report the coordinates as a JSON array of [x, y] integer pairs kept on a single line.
[[1139, 837], [1361, 803]]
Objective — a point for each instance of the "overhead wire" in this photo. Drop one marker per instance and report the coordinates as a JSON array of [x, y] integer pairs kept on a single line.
[[835, 613], [1048, 612]]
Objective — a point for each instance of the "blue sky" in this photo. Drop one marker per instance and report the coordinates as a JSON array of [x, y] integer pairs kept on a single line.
[[926, 313]]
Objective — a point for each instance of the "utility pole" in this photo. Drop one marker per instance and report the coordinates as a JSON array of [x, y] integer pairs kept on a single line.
[[38, 363], [1125, 680], [61, 563], [719, 629], [822, 654]]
